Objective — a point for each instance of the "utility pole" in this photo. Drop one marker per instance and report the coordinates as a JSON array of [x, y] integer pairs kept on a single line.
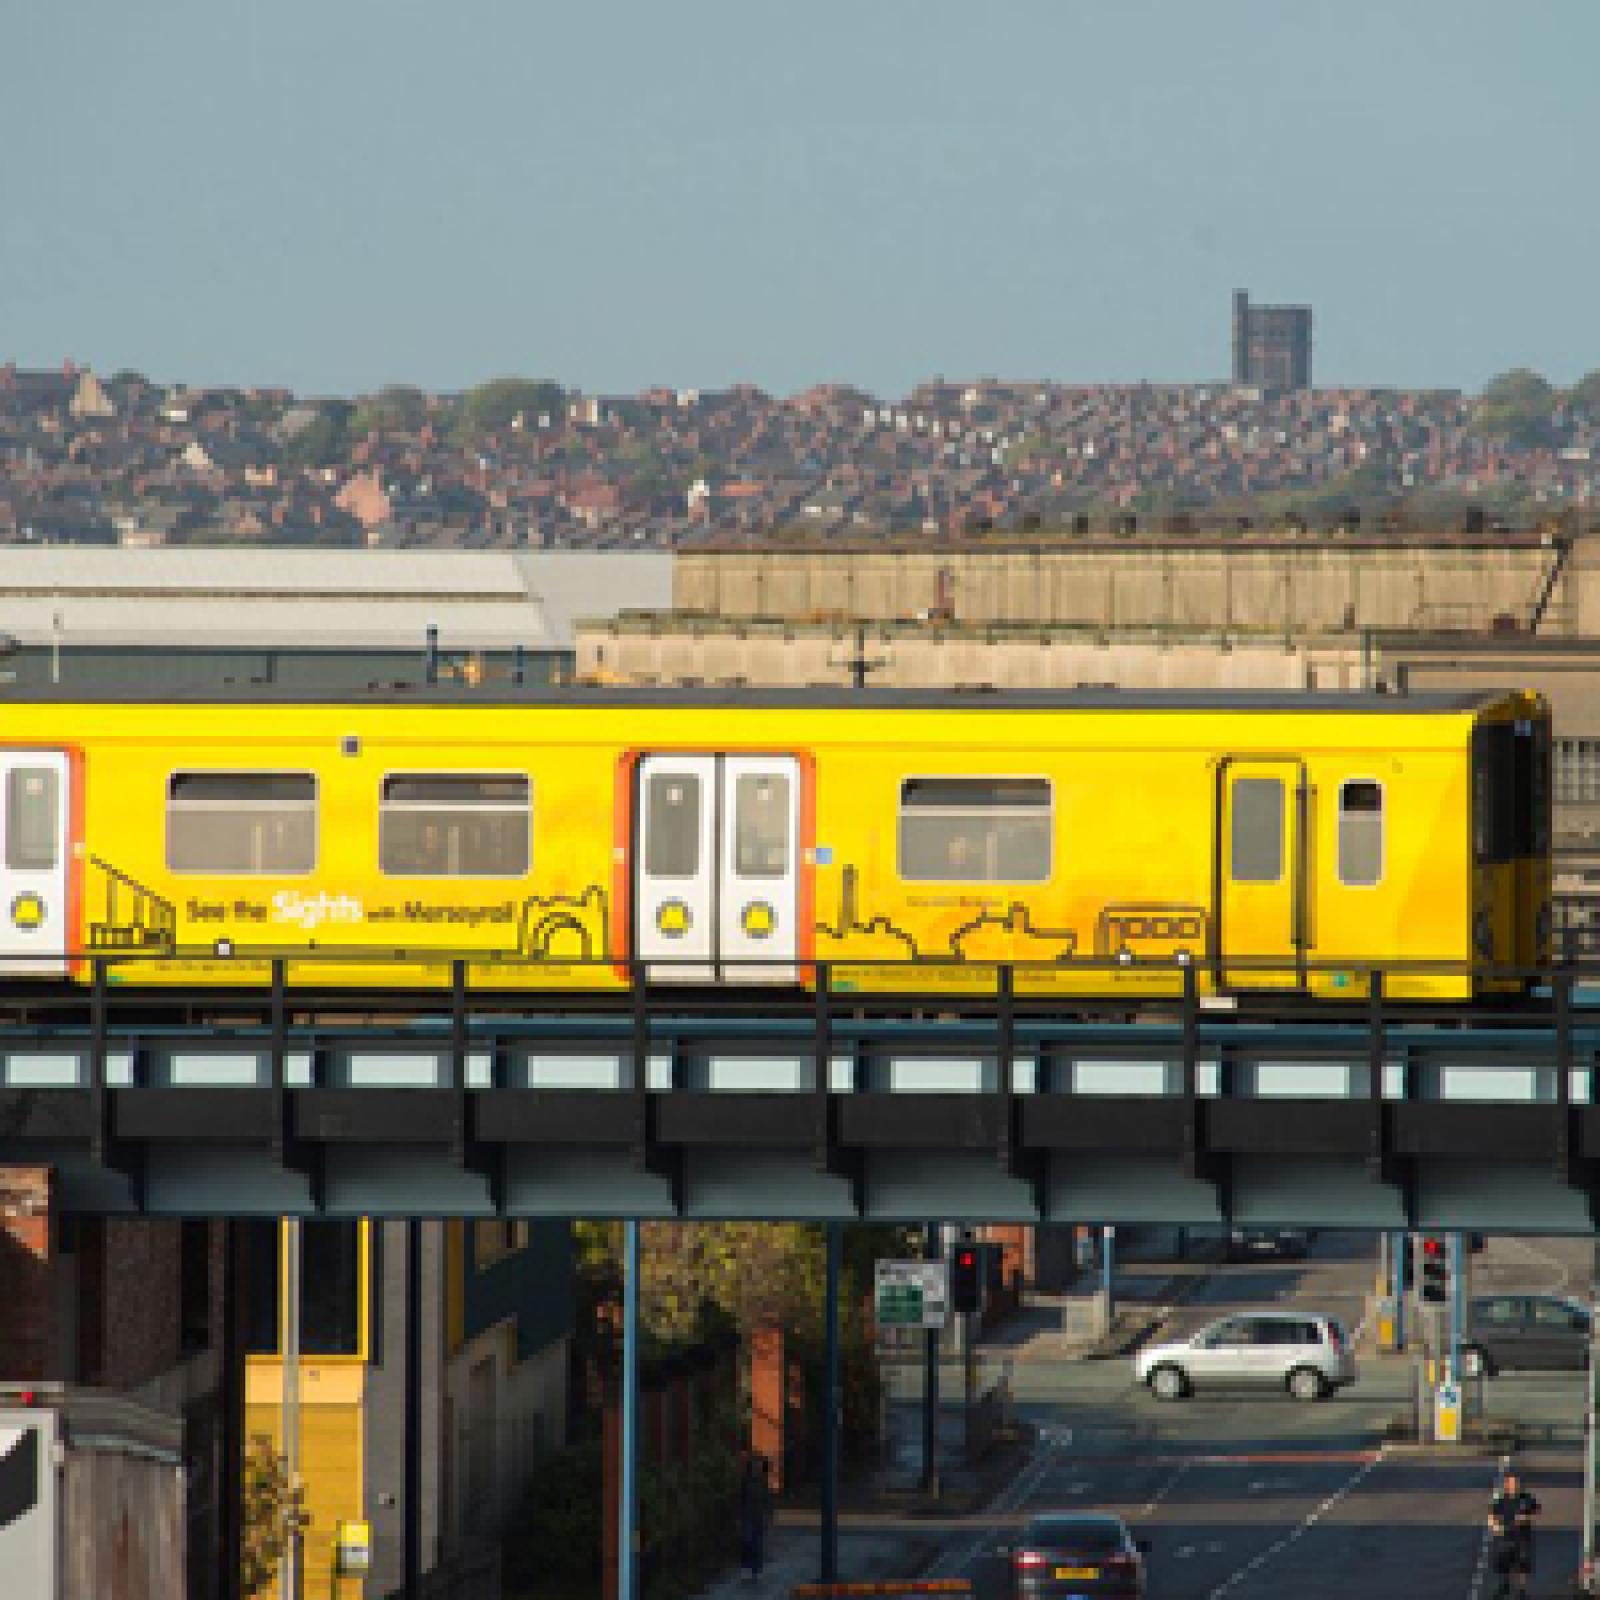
[[628, 1522], [859, 663], [930, 1383], [290, 1575], [829, 1563], [1591, 1426]]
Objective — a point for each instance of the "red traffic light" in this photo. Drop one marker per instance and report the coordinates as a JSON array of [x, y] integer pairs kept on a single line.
[[967, 1258], [1432, 1248]]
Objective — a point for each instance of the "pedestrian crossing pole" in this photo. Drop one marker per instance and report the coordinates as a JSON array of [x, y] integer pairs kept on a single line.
[[1590, 1439], [628, 1521], [831, 1400]]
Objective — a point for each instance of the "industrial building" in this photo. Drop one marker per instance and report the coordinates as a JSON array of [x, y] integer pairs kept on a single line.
[[1271, 345], [181, 617]]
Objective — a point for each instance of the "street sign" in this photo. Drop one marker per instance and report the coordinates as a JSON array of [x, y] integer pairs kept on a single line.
[[911, 1294]]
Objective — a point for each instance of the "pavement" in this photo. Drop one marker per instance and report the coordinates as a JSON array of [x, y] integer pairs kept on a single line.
[[1241, 1497]]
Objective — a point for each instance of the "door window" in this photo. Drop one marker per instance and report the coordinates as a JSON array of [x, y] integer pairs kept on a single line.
[[1549, 1315], [1360, 833], [1231, 1336], [761, 832], [1498, 1313], [32, 817], [1257, 832], [672, 831]]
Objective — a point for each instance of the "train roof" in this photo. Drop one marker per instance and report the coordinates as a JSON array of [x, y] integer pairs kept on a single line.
[[817, 698]]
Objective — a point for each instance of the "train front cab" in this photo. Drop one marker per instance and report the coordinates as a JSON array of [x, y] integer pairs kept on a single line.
[[1513, 888]]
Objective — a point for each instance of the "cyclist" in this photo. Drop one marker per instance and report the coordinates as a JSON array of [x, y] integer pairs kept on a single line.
[[1511, 1517]]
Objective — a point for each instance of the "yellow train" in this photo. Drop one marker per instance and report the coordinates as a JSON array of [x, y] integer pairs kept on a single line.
[[909, 840]]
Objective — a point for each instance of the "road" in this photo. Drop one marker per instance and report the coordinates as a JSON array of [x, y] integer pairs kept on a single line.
[[1262, 1498]]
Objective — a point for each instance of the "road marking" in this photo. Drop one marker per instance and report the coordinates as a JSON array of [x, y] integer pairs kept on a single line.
[[1309, 1521], [1015, 1495], [1542, 1257], [1165, 1489]]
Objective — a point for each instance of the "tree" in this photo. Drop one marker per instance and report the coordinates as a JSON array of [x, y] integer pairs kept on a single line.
[[493, 407], [1584, 395], [324, 440], [273, 1513], [1516, 407], [398, 408]]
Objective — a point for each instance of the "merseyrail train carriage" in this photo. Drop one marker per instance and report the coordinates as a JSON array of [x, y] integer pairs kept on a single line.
[[910, 841]]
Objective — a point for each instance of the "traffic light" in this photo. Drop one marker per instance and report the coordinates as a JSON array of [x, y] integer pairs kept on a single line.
[[1435, 1274], [966, 1279]]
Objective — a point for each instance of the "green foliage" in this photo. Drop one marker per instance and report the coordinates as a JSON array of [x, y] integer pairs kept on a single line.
[[1585, 395], [554, 1546], [493, 407], [1516, 408], [325, 440], [271, 1513], [686, 1516], [395, 409]]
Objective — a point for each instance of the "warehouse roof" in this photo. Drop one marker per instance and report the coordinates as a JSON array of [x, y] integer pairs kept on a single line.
[[353, 599]]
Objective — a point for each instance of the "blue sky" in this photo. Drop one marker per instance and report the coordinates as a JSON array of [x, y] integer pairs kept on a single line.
[[336, 194]]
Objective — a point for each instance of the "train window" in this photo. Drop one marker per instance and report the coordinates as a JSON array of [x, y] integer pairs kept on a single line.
[[455, 825], [241, 822], [975, 830], [32, 819], [761, 827], [1360, 833], [1257, 808], [1494, 807], [672, 825]]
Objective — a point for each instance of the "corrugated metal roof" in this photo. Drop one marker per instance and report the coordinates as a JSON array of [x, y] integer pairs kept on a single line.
[[352, 599]]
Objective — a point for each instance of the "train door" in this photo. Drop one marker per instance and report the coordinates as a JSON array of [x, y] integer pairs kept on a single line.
[[717, 868], [34, 849], [1261, 861]]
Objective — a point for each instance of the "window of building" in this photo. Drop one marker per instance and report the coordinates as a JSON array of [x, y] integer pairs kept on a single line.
[[330, 1288], [761, 829], [450, 825], [975, 830], [32, 819], [672, 825], [1577, 775], [1257, 829], [263, 1277], [242, 822], [494, 1241], [194, 1285], [1360, 833]]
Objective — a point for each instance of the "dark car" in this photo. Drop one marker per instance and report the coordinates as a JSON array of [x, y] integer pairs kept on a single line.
[[1064, 1554], [1525, 1332], [1245, 1244]]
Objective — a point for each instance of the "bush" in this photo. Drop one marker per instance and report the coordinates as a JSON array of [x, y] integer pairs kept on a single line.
[[554, 1547]]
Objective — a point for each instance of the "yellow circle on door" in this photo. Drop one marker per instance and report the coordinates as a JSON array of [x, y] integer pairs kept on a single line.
[[673, 918], [27, 911], [759, 921]]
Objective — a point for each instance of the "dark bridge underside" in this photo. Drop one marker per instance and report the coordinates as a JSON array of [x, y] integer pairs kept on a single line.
[[986, 1108], [884, 1156]]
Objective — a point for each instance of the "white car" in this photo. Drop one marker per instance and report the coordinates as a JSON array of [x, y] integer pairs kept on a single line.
[[1302, 1353]]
